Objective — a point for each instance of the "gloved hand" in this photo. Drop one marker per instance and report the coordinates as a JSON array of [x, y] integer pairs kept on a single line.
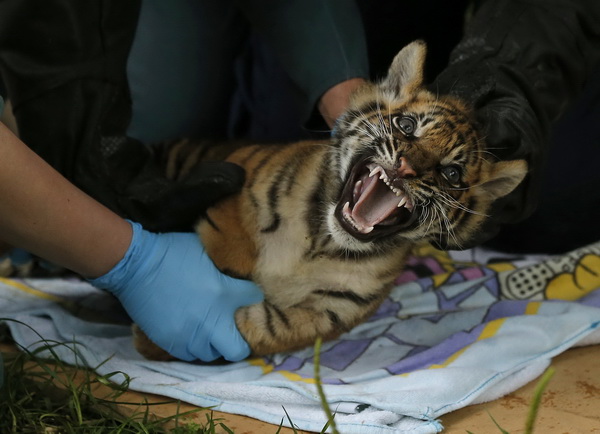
[[163, 205], [511, 128], [173, 291], [519, 66]]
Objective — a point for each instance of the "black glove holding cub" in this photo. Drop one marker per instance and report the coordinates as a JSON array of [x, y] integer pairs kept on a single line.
[[520, 65]]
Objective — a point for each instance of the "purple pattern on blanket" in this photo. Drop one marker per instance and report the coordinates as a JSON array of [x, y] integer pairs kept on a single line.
[[592, 299], [479, 287]]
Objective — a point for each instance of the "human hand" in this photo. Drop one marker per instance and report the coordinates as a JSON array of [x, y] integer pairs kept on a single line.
[[510, 127], [519, 65], [165, 205], [335, 100], [176, 295]]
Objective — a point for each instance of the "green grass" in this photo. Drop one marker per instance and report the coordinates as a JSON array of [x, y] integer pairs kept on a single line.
[[45, 395], [322, 397]]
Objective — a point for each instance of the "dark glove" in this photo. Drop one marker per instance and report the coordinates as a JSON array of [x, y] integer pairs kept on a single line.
[[520, 64], [141, 192]]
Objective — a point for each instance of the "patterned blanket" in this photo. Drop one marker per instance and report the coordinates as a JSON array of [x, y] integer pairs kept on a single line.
[[459, 328]]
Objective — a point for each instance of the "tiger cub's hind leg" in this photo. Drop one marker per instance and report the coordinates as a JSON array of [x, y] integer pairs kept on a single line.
[[146, 347]]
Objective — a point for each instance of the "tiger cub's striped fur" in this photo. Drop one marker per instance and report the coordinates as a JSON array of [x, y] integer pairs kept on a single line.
[[325, 227]]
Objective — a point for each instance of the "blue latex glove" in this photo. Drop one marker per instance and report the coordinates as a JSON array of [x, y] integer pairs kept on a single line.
[[173, 291]]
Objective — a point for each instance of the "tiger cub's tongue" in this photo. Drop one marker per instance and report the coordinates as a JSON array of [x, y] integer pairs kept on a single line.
[[375, 202]]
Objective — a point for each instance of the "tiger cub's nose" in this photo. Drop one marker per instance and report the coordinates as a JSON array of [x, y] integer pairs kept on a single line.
[[404, 169]]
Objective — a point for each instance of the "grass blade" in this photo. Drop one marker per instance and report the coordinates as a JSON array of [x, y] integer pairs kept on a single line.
[[322, 397], [537, 398]]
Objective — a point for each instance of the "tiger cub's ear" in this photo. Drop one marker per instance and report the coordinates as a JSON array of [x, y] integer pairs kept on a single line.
[[502, 178], [405, 75]]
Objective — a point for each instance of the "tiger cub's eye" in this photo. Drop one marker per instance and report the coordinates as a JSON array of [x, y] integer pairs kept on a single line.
[[406, 124], [452, 174]]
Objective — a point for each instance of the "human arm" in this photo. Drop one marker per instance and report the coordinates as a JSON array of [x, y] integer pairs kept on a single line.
[[166, 282], [45, 214], [520, 65]]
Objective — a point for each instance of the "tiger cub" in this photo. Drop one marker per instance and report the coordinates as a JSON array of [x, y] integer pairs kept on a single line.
[[325, 227]]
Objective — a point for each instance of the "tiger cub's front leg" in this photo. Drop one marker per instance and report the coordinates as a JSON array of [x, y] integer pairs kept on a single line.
[[271, 329]]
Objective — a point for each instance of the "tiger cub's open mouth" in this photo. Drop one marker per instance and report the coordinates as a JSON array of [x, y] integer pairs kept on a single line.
[[373, 204]]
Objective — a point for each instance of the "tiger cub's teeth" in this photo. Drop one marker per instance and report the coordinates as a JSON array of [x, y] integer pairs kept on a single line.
[[404, 199], [357, 188], [348, 215], [374, 171]]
